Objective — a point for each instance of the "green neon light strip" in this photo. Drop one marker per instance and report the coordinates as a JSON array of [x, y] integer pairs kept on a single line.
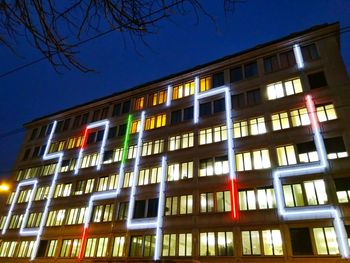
[[126, 139]]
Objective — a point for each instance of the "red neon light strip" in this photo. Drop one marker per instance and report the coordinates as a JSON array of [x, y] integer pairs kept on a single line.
[[234, 199], [84, 138], [83, 243]]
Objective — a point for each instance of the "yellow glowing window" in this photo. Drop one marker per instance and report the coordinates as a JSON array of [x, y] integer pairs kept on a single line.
[[205, 84], [326, 241], [155, 122], [326, 113], [157, 98], [185, 90], [280, 121], [79, 141], [135, 126], [300, 117], [61, 145], [139, 103], [71, 143], [284, 88]]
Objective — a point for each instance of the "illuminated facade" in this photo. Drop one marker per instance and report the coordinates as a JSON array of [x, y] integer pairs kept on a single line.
[[244, 158]]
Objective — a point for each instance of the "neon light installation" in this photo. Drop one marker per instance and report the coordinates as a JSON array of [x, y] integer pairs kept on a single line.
[[298, 56]]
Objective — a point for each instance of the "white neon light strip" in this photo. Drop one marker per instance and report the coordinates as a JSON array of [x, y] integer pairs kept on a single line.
[[169, 95], [298, 56], [103, 143], [326, 211]]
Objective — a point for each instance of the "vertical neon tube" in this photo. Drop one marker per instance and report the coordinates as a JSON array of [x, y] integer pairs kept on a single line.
[[169, 95], [298, 56], [196, 102]]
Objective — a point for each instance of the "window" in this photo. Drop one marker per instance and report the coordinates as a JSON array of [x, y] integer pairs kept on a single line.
[[76, 122], [118, 246], [271, 241], [326, 112], [301, 242], [271, 64], [96, 247], [150, 176], [179, 205], [7, 248], [219, 105], [104, 113], [205, 109], [253, 97], [257, 199], [157, 98], [287, 59], [299, 117], [257, 126], [70, 247], [122, 130], [210, 135], [307, 152], [236, 74], [102, 213], [188, 113], [177, 245], [176, 116], [85, 118], [286, 155], [317, 80], [76, 216], [33, 134], [213, 166], [335, 148], [153, 147], [84, 186], [250, 70], [47, 248], [180, 171], [258, 159], [181, 141], [25, 249], [280, 121], [281, 89], [326, 241], [63, 190], [310, 52], [218, 79], [240, 129], [126, 107], [210, 242], [205, 84], [314, 192], [183, 90], [123, 211], [222, 202], [154, 122], [342, 186], [34, 220], [146, 208], [142, 246], [56, 217], [128, 177], [139, 103], [96, 115], [116, 109], [238, 101]]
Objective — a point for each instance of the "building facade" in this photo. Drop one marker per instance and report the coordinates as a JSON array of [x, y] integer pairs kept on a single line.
[[244, 158]]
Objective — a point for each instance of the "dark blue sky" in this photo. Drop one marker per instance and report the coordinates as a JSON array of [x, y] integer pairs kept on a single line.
[[178, 45]]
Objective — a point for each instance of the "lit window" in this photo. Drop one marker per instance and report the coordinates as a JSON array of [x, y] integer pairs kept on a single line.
[[272, 242], [208, 167], [335, 148], [247, 200], [285, 88], [139, 103], [107, 183], [326, 113], [185, 90], [96, 247], [207, 244], [157, 98], [56, 218], [266, 198], [286, 155], [243, 161], [300, 117], [250, 243], [180, 171], [76, 216], [70, 247], [118, 247], [181, 141], [135, 126], [261, 159], [7, 248], [342, 186], [150, 176], [210, 135], [123, 211], [257, 199], [128, 177], [205, 84], [307, 152], [257, 126], [102, 213], [326, 241], [25, 249], [154, 122], [240, 129], [207, 202], [177, 245], [280, 121], [153, 147], [222, 202], [179, 205], [142, 246]]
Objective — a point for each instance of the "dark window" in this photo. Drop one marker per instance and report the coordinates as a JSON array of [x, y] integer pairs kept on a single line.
[[76, 122], [139, 211], [104, 113], [188, 113], [100, 135], [42, 150], [59, 127], [342, 184], [238, 101], [36, 152], [26, 154], [287, 59], [301, 242], [205, 109], [310, 52], [112, 132], [218, 79], [250, 70], [91, 138], [42, 131], [271, 64], [96, 115], [42, 248], [335, 145], [33, 135], [176, 116], [317, 80], [253, 97], [85, 118], [122, 130], [65, 163], [126, 107], [306, 147], [219, 105], [108, 156], [116, 109], [49, 129], [236, 74], [66, 124], [152, 209]]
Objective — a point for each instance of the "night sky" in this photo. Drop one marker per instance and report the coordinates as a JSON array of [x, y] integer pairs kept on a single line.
[[178, 45]]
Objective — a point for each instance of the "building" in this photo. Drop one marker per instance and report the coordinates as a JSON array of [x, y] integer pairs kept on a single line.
[[243, 158]]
